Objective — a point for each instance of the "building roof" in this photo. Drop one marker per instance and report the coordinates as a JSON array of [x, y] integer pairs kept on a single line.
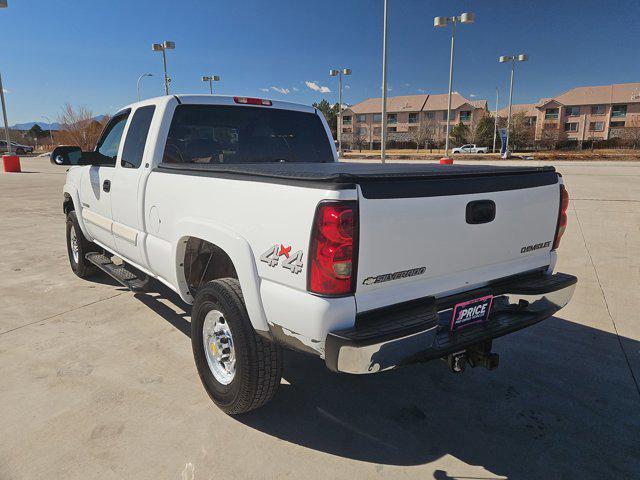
[[592, 95], [415, 103], [529, 109], [405, 103]]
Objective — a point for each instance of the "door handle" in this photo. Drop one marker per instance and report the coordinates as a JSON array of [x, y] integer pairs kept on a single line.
[[481, 211], [106, 185]]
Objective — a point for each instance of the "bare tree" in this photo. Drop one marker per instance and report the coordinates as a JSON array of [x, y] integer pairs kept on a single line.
[[631, 132], [78, 126], [358, 138], [420, 135]]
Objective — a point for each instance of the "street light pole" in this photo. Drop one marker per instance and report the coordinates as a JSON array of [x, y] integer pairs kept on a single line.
[[3, 4], [4, 115], [50, 132], [163, 47], [383, 146], [138, 82], [443, 22], [513, 59], [495, 124], [210, 79], [338, 73]]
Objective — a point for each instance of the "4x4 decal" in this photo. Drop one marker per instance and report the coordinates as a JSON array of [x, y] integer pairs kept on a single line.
[[292, 261]]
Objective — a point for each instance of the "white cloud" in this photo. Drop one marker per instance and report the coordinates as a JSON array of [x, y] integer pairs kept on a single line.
[[347, 87], [296, 89], [264, 89], [283, 91], [422, 90], [407, 84], [317, 88], [5, 90], [472, 95]]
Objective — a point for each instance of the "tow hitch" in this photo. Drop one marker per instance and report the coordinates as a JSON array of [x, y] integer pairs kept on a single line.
[[479, 355]]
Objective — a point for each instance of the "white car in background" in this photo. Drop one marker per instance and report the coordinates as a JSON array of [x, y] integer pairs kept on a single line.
[[470, 148]]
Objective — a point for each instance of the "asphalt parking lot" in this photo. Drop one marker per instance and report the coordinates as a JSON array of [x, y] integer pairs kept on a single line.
[[96, 382]]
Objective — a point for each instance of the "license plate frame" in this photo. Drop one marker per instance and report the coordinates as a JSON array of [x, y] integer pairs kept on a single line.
[[470, 312]]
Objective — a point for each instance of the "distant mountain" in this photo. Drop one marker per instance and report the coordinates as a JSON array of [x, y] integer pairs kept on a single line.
[[45, 125]]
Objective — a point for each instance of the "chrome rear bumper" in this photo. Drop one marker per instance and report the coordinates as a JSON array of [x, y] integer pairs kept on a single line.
[[420, 330]]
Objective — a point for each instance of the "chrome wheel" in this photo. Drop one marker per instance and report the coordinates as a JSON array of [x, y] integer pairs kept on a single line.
[[218, 347], [75, 252]]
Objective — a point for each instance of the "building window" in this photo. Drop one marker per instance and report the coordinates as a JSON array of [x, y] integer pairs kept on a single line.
[[444, 129], [431, 115], [346, 120], [361, 118], [617, 124], [391, 129], [377, 131], [551, 114], [377, 117], [573, 111], [465, 115], [618, 111], [571, 127], [346, 130], [597, 109], [392, 118], [413, 118], [596, 126], [362, 131], [530, 121], [444, 115], [413, 128]]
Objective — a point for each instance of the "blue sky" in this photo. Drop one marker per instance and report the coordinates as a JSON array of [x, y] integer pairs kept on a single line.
[[91, 52]]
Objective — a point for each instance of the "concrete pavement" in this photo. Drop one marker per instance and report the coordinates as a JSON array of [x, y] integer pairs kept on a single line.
[[96, 382]]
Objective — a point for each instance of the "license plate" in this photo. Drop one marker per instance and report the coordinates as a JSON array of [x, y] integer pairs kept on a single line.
[[471, 312]]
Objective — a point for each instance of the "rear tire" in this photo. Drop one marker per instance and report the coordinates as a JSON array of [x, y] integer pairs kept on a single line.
[[77, 247], [257, 362]]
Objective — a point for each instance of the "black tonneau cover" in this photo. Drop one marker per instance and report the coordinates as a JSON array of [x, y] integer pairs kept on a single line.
[[396, 180]]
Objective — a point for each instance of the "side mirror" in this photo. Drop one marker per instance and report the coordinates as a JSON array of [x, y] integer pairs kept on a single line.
[[66, 155]]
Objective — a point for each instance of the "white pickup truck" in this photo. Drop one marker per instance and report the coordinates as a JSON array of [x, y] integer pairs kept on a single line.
[[240, 206], [470, 148]]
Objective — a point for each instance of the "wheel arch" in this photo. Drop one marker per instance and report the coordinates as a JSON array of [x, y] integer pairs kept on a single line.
[[232, 255], [71, 202]]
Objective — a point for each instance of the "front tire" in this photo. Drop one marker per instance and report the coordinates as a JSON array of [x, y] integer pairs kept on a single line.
[[77, 247], [239, 369]]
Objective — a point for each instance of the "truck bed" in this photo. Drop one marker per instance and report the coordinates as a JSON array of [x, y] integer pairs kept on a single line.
[[380, 180]]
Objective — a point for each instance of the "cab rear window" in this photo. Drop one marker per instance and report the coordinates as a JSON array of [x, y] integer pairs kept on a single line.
[[234, 134]]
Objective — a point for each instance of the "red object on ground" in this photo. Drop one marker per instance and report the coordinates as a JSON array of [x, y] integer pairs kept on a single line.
[[11, 163], [446, 161]]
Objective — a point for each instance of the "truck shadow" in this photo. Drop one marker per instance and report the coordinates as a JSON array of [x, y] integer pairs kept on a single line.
[[562, 404]]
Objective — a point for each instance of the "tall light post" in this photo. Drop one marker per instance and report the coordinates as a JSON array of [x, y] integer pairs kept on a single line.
[[138, 82], [211, 79], [50, 132], [495, 124], [163, 47], [383, 144], [521, 57], [3, 4], [443, 22], [339, 73]]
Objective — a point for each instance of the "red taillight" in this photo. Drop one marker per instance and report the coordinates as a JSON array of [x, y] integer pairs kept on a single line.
[[562, 216], [333, 243], [253, 101]]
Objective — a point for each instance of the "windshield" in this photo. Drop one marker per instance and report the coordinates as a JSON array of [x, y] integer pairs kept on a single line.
[[235, 134]]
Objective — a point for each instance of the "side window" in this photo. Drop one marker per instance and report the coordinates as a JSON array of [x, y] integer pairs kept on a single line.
[[110, 142], [137, 137]]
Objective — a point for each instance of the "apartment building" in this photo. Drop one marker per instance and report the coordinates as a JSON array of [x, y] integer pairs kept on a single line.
[[584, 113], [406, 114]]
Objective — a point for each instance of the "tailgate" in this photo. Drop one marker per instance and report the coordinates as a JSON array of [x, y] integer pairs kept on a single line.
[[418, 237]]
